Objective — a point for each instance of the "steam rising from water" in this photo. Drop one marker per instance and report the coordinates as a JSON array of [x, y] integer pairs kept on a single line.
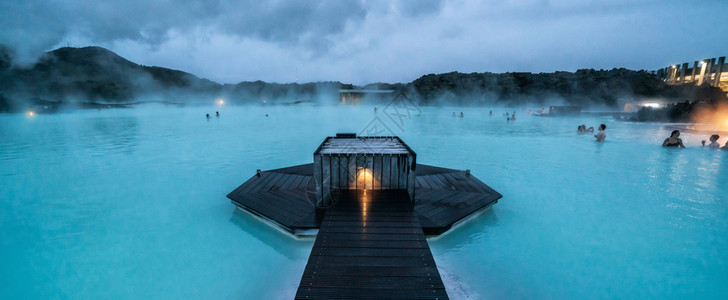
[[717, 117]]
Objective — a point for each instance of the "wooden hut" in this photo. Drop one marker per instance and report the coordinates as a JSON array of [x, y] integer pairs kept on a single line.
[[349, 162]]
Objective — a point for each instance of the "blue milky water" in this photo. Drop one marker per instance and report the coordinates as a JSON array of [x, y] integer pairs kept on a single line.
[[130, 203]]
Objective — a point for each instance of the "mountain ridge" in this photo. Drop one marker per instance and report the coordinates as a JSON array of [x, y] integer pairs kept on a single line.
[[96, 74]]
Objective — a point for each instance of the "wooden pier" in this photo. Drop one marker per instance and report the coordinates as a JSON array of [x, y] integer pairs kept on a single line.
[[372, 204], [286, 197], [371, 246]]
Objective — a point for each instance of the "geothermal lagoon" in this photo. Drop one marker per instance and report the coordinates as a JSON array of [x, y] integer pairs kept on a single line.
[[131, 203]]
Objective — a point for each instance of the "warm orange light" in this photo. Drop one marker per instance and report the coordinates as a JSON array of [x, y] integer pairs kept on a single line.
[[364, 179], [717, 117], [31, 114], [220, 102], [364, 207]]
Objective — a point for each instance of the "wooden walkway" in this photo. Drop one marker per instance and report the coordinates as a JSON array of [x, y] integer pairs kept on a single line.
[[371, 246]]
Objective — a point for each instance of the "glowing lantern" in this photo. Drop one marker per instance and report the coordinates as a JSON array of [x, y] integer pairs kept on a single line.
[[364, 179]]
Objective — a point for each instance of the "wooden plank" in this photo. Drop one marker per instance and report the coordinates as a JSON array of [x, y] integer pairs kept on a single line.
[[386, 166], [423, 184], [326, 180], [352, 216], [459, 181], [335, 172], [371, 281], [289, 202], [432, 183], [369, 293], [403, 172], [277, 205], [262, 179], [384, 230], [460, 200], [371, 236], [441, 182], [377, 271], [335, 261], [352, 172], [269, 183], [344, 171], [377, 172], [453, 214], [369, 223], [295, 184], [358, 213], [318, 179], [411, 178], [418, 253], [394, 175], [305, 183], [370, 166], [268, 209], [453, 184], [289, 182], [435, 196], [275, 185], [349, 243], [244, 185]]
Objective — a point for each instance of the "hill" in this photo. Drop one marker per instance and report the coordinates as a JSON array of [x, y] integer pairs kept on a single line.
[[584, 87], [98, 76]]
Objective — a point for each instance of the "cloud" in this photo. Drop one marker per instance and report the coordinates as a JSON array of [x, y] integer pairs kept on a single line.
[[363, 41], [34, 26]]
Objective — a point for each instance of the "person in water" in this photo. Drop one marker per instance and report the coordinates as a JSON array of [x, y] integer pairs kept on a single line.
[[454, 115], [491, 113], [461, 114], [581, 129], [673, 141], [601, 135], [217, 114], [207, 116], [713, 142]]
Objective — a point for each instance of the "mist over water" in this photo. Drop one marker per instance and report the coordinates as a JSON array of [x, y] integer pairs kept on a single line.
[[130, 203]]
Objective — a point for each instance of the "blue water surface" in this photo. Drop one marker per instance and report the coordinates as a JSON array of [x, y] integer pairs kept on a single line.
[[130, 203]]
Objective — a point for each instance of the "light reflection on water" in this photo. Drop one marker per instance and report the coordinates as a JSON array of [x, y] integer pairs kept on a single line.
[[131, 203]]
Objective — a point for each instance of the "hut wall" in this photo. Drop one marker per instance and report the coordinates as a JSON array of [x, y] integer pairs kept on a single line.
[[362, 170]]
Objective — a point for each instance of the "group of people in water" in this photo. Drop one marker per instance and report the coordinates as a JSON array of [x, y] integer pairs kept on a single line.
[[217, 114], [674, 141], [601, 134], [509, 117]]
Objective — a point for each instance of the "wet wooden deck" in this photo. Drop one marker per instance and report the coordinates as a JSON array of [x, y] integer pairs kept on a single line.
[[285, 196], [371, 246]]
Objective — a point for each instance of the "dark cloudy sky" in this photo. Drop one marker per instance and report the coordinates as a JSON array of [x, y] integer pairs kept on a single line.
[[365, 41]]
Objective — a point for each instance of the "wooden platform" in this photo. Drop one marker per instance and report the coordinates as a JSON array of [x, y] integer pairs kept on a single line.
[[286, 196], [371, 246]]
